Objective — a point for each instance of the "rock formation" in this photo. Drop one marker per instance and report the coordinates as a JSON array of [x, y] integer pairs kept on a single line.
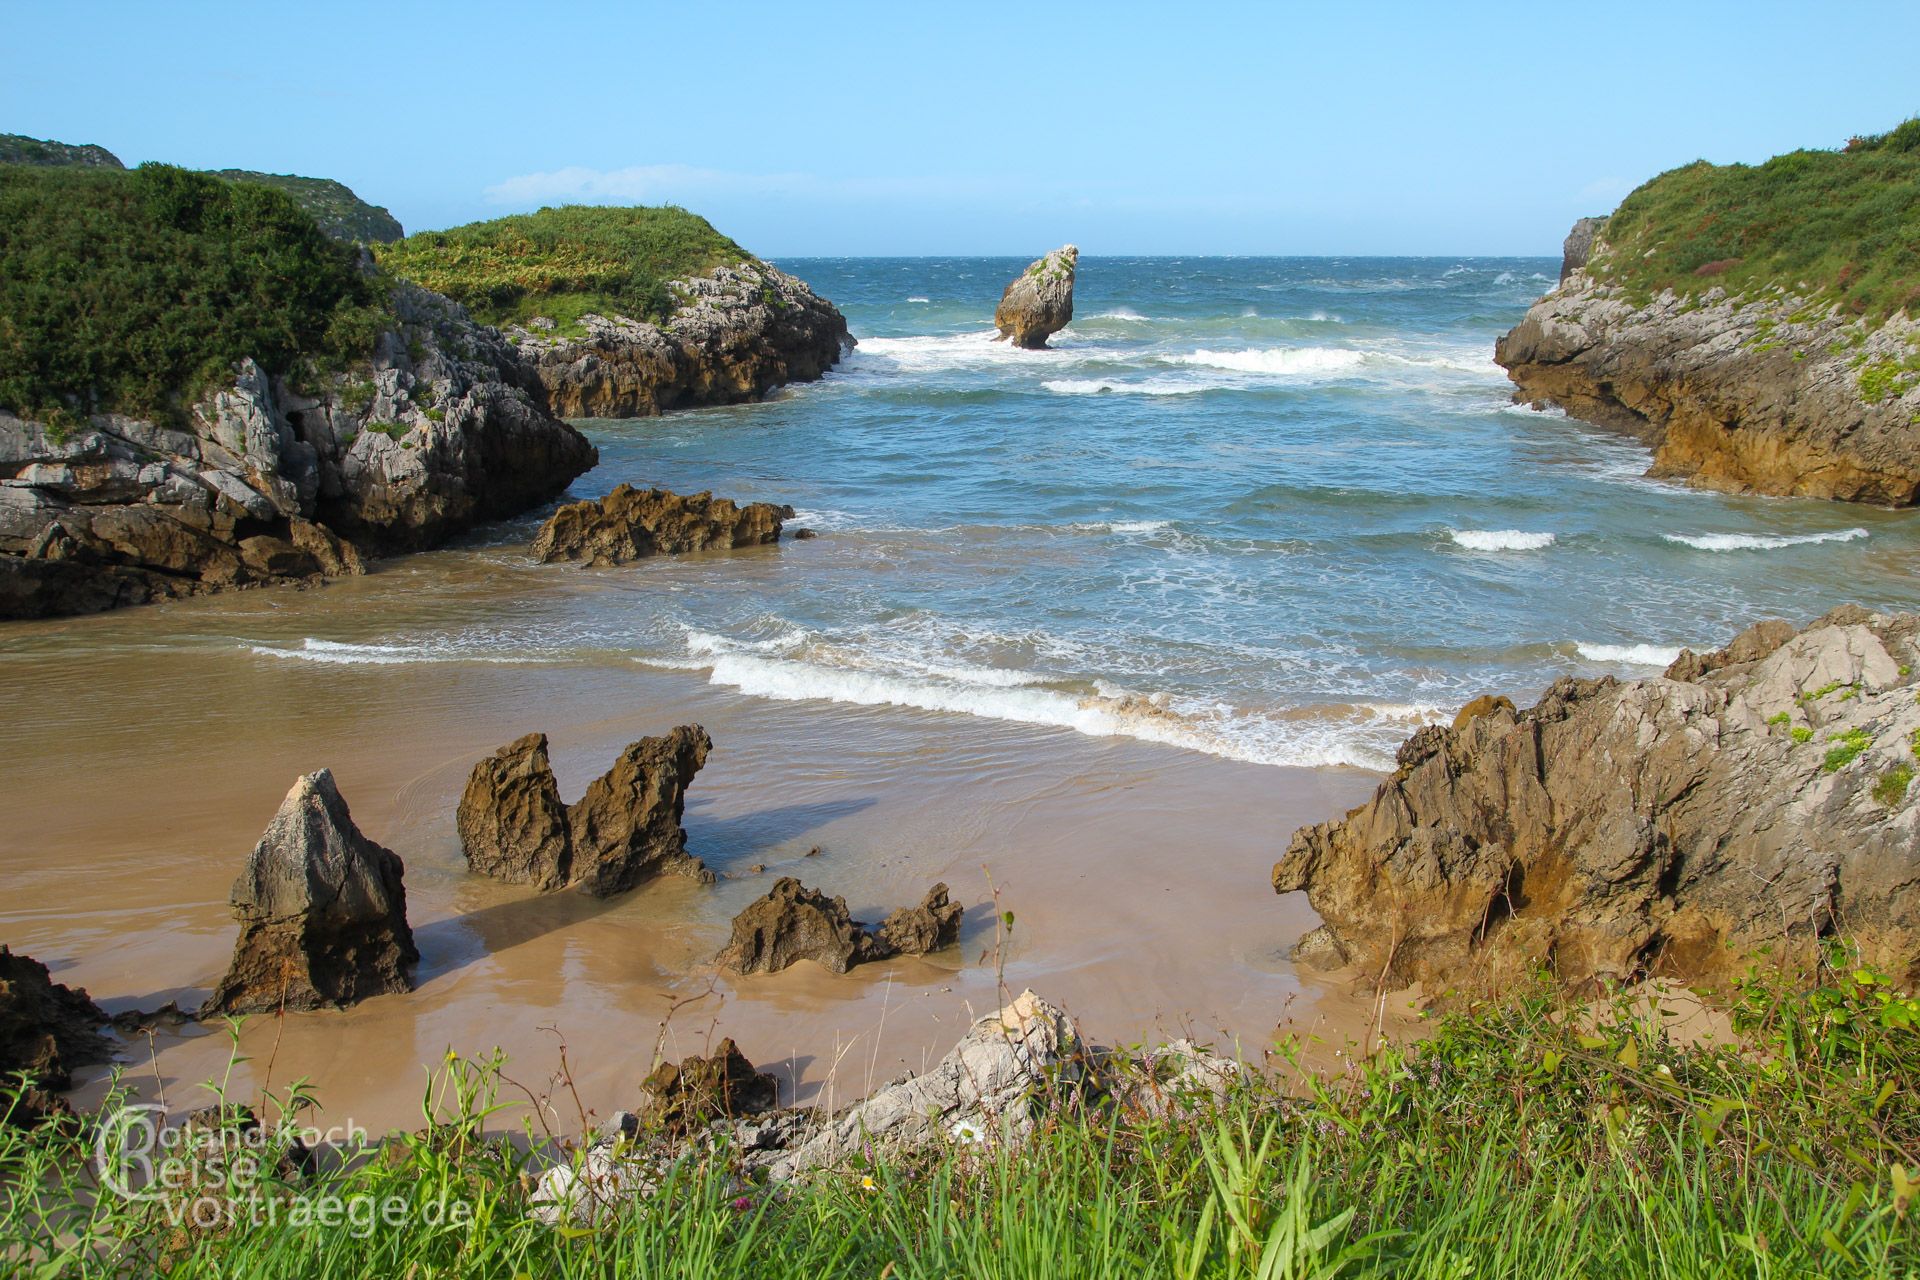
[[1772, 394], [511, 822], [625, 829], [1754, 797], [631, 524], [46, 1030], [735, 334], [322, 912], [793, 923], [688, 1094], [1039, 302], [262, 483]]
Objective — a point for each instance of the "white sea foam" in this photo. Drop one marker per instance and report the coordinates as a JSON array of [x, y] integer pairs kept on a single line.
[[1500, 539], [1122, 387], [1760, 541], [1118, 313], [1639, 655], [1303, 362], [914, 297], [938, 353], [381, 655], [1123, 526]]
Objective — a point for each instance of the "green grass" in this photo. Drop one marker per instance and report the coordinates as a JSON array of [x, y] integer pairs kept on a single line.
[[134, 291], [1517, 1141], [340, 213], [564, 262], [1891, 789], [1842, 226], [1847, 747]]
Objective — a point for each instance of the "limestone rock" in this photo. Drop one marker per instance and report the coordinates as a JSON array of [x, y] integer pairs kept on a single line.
[[1039, 302], [627, 826], [511, 822], [735, 334], [1745, 395], [791, 923], [322, 912], [1579, 245], [46, 1030], [1756, 797], [688, 1094], [630, 524]]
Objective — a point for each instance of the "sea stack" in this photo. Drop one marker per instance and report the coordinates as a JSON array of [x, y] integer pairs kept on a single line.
[[322, 912], [1039, 302]]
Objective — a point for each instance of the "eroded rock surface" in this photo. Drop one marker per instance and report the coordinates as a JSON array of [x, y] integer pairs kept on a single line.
[[625, 829], [1772, 394], [631, 524], [322, 912], [46, 1030], [735, 334], [793, 923], [1039, 301], [1754, 797], [684, 1095]]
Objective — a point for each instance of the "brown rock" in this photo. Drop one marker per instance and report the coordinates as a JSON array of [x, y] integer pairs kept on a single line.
[[914, 931], [793, 923], [627, 826], [1671, 826], [631, 524], [1485, 704], [46, 1030], [322, 912], [512, 824], [1039, 302], [687, 1095]]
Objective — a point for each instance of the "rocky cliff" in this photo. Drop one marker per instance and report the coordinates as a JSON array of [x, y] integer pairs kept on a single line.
[[266, 482], [733, 334], [1758, 797]]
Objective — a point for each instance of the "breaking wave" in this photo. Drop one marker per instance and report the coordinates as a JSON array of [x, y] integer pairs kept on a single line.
[[1500, 539], [1759, 541]]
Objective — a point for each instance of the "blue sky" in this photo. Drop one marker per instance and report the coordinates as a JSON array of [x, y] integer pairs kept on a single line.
[[850, 128]]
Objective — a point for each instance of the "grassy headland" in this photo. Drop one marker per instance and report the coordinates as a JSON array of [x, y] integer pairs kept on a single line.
[[1526, 1140], [340, 213], [1840, 226], [564, 262], [133, 290]]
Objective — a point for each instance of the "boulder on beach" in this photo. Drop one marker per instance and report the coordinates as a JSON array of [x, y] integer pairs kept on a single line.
[[1039, 302], [322, 912], [46, 1030], [625, 829], [791, 923], [685, 1095], [631, 524], [1754, 799]]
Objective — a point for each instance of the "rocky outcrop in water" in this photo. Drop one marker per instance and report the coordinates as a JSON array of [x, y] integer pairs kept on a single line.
[[734, 335], [1039, 302], [1774, 394], [322, 912], [793, 923], [630, 524], [263, 483], [46, 1030], [624, 830], [1755, 797]]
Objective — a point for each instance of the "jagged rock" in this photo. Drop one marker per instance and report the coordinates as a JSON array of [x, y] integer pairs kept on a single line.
[[793, 923], [1755, 797], [625, 829], [688, 1094], [1743, 395], [46, 1030], [1579, 245], [1039, 302], [627, 826], [1485, 704], [735, 334], [322, 912], [511, 822], [631, 524], [446, 427]]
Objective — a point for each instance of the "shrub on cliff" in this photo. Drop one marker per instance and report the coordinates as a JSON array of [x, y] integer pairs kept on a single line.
[[564, 262], [1844, 225], [134, 291]]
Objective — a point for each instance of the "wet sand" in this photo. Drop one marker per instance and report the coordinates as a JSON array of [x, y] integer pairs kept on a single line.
[[147, 750]]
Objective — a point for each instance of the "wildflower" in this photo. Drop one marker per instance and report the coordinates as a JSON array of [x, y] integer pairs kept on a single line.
[[968, 1131], [867, 1184]]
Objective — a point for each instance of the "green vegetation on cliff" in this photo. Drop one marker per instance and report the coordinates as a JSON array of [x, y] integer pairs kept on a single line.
[[17, 148], [134, 291], [340, 213], [564, 262], [1530, 1140], [1844, 225]]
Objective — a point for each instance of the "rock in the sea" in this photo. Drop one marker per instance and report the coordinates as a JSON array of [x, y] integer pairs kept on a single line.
[[1039, 302], [46, 1030], [1769, 393], [322, 912], [511, 822], [631, 524], [685, 1095], [1758, 797], [793, 923], [735, 334]]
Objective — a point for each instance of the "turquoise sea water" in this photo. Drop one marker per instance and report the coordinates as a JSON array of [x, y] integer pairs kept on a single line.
[[1276, 509]]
